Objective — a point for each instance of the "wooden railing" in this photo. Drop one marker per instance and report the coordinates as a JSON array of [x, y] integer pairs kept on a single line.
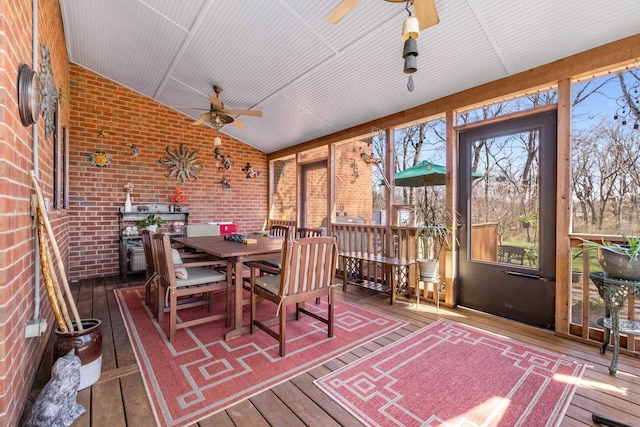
[[587, 305]]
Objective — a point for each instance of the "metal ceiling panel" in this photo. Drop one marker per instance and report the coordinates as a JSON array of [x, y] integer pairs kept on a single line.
[[267, 42], [122, 40], [311, 78], [534, 33], [183, 13]]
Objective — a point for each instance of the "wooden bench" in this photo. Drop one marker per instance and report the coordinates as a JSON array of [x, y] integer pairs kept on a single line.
[[392, 270]]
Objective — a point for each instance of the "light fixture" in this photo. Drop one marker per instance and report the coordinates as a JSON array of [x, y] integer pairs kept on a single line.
[[217, 141], [410, 33], [219, 119]]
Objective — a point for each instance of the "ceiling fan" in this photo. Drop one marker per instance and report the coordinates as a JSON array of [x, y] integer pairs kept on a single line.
[[425, 11], [218, 116]]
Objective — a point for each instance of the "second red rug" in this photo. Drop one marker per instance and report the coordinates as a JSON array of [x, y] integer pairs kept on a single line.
[[450, 374]]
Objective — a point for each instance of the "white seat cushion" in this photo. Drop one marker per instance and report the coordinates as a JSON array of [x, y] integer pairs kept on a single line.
[[201, 275], [269, 283], [181, 272]]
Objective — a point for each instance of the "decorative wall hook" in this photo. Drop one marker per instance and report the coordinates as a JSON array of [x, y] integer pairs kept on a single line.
[[134, 151], [251, 173]]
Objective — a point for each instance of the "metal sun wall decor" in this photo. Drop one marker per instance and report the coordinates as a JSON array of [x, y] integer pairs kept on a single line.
[[182, 164], [48, 92]]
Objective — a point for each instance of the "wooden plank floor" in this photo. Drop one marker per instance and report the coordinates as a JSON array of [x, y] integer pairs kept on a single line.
[[119, 397]]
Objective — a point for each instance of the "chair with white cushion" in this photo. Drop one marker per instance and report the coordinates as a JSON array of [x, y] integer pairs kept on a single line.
[[308, 271], [185, 280]]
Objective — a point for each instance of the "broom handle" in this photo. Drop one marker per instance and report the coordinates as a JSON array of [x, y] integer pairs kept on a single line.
[[47, 276], [56, 284], [56, 251]]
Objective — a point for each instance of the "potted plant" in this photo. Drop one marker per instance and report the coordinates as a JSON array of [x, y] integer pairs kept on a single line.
[[432, 238], [618, 260], [151, 222], [433, 235]]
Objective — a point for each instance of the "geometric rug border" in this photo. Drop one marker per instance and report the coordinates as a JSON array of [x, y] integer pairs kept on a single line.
[[124, 310], [319, 382]]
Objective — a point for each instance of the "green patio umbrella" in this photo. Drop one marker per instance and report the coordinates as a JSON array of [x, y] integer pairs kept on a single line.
[[423, 174]]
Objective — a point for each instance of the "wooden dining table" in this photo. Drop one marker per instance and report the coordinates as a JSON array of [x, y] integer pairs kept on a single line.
[[237, 254]]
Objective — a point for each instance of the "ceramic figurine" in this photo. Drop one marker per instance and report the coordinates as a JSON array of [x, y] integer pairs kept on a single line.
[[56, 404]]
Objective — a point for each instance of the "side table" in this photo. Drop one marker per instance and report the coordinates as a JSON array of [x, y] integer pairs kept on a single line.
[[615, 292]]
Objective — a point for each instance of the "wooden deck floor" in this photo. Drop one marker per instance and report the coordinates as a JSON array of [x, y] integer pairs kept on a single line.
[[119, 397]]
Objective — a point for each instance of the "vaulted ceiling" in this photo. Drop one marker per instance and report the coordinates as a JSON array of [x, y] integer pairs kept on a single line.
[[311, 78]]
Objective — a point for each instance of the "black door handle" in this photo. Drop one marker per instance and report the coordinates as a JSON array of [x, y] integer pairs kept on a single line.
[[529, 276]]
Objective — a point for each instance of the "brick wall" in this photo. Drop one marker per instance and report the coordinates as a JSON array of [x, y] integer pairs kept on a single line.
[[354, 196], [19, 357], [124, 117]]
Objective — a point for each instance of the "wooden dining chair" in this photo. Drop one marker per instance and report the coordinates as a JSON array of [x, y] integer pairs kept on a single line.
[[151, 269], [281, 231], [308, 271], [196, 278], [278, 232], [302, 232]]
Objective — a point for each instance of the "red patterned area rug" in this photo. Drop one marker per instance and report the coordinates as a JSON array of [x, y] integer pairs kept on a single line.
[[449, 374], [201, 374]]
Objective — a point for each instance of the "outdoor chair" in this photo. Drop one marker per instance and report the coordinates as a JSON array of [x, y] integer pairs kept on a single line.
[[197, 278], [303, 232], [151, 269], [308, 272], [511, 254], [277, 232]]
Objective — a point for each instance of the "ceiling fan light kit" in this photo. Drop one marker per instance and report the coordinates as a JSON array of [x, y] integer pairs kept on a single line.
[[217, 115]]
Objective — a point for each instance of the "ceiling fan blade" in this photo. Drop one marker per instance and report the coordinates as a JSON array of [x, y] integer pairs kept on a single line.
[[190, 107], [215, 102], [340, 11], [254, 113], [426, 13], [237, 123], [203, 118]]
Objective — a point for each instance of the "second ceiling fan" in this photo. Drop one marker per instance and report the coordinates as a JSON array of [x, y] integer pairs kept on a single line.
[[425, 10], [218, 116]]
